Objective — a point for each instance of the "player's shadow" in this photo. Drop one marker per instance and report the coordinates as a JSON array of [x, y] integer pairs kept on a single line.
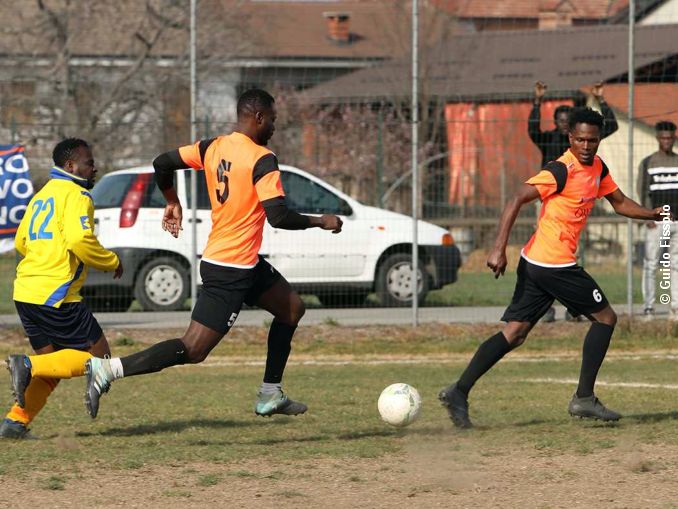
[[287, 440], [172, 427], [653, 417]]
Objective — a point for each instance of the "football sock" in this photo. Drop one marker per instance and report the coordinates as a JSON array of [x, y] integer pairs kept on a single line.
[[487, 355], [279, 346], [155, 358], [596, 342], [61, 364], [36, 396], [116, 368], [267, 388]]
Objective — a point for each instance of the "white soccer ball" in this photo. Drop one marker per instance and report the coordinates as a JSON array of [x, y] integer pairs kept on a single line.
[[399, 404]]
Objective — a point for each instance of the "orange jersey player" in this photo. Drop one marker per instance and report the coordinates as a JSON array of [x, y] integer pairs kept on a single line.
[[548, 270]]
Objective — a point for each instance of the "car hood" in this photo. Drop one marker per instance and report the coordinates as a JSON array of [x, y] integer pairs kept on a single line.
[[428, 233]]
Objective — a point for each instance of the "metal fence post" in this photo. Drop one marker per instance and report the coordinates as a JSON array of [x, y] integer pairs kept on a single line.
[[629, 222], [415, 169], [194, 177]]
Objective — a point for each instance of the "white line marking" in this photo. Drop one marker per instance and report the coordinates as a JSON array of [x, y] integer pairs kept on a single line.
[[573, 381], [221, 361]]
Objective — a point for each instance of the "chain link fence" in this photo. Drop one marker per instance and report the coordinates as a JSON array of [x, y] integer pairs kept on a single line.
[[341, 76]]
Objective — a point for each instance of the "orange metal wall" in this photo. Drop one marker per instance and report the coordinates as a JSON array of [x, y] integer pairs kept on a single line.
[[483, 140]]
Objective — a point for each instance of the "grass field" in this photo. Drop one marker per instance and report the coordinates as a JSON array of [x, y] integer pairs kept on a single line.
[[189, 435]]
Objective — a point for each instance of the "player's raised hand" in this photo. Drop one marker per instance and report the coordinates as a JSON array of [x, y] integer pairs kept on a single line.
[[171, 219], [539, 90], [496, 261], [331, 222]]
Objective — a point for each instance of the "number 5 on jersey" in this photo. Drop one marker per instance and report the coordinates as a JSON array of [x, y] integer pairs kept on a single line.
[[38, 207], [222, 180]]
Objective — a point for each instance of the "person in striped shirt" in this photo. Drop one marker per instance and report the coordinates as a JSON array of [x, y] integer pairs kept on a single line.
[[658, 186]]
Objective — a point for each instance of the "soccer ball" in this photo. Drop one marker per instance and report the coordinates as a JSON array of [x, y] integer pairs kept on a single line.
[[399, 404]]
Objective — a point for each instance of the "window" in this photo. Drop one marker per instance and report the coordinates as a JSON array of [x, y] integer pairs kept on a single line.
[[153, 196], [203, 192], [111, 190], [305, 196]]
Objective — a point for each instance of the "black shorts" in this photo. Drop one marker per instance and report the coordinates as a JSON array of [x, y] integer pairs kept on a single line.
[[537, 287], [224, 289], [70, 326]]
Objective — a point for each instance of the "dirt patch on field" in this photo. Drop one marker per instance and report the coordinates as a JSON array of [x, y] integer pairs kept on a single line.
[[427, 474]]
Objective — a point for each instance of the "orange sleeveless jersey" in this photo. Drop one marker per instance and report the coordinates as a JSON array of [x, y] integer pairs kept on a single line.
[[568, 190], [240, 175]]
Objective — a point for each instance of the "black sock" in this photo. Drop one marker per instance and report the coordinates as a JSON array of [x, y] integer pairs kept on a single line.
[[596, 342], [279, 346], [485, 357], [159, 356]]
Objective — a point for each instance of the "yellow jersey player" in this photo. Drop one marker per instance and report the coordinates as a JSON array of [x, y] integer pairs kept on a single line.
[[57, 242]]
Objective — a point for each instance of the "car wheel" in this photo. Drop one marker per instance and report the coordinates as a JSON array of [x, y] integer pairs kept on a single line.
[[395, 285], [345, 299], [162, 284]]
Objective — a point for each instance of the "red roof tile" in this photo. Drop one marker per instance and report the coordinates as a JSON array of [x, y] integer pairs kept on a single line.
[[581, 9]]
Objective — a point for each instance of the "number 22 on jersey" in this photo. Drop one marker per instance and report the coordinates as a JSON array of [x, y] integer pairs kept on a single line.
[[46, 206]]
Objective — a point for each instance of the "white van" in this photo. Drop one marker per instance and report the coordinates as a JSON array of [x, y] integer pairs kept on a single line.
[[371, 254]]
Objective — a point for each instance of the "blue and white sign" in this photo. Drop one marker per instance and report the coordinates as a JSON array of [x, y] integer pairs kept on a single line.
[[16, 189]]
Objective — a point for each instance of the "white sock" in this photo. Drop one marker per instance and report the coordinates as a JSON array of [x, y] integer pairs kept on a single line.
[[267, 388], [116, 368]]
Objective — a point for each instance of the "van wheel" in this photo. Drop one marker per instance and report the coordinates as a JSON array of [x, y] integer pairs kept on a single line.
[[162, 284], [395, 284]]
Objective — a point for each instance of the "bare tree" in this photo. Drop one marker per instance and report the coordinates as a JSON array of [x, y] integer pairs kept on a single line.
[[115, 73]]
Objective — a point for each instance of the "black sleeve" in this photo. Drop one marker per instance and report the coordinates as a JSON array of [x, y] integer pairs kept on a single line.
[[610, 124], [533, 126], [279, 216], [165, 165], [559, 171], [202, 147], [265, 165]]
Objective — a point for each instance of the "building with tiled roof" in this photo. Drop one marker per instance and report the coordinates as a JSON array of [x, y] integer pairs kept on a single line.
[[531, 14]]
